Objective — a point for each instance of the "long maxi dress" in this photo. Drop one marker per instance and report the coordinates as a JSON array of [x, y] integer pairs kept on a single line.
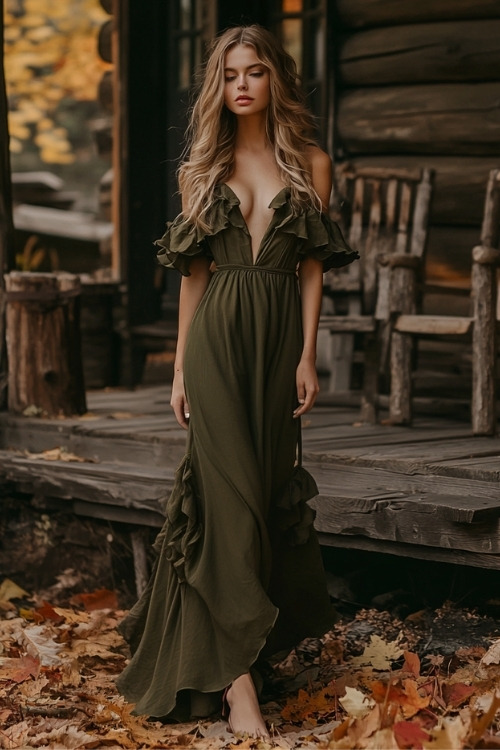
[[238, 569]]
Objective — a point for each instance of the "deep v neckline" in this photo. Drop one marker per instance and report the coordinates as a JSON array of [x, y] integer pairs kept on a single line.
[[269, 226]]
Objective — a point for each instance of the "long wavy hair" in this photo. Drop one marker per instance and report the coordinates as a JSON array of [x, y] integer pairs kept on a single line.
[[209, 154]]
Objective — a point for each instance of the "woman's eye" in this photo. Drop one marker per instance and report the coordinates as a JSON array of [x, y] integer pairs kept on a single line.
[[257, 74], [230, 78]]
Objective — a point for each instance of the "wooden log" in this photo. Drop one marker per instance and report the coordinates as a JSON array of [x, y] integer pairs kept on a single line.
[[43, 343], [458, 187], [104, 42], [484, 341], [422, 53], [358, 13], [431, 119]]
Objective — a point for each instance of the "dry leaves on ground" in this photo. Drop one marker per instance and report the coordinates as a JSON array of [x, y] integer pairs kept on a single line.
[[354, 688]]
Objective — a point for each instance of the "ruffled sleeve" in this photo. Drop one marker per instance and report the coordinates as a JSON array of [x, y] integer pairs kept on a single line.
[[324, 241], [181, 242]]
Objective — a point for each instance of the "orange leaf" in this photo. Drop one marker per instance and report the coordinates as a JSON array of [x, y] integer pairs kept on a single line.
[[457, 693], [101, 599], [306, 706], [409, 735], [405, 696], [19, 670], [411, 664], [47, 612]]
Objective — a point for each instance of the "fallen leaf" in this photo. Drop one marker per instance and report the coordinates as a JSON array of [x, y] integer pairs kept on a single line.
[[101, 599], [19, 670], [356, 703], [378, 654], [10, 590], [364, 727], [408, 734], [450, 735], [39, 643], [492, 656], [457, 693], [47, 612], [15, 736], [405, 696], [411, 664], [305, 706]]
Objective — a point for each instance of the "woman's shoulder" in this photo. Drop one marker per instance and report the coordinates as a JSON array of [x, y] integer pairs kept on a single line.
[[318, 159]]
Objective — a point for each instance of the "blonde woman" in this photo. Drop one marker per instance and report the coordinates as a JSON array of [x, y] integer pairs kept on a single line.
[[239, 572]]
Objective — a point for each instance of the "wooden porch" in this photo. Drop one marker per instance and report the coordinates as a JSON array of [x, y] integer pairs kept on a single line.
[[428, 491]]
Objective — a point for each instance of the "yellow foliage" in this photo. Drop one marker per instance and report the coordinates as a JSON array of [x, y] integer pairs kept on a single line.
[[50, 54]]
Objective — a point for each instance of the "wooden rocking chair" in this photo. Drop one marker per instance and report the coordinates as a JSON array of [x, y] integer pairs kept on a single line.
[[482, 323], [384, 213]]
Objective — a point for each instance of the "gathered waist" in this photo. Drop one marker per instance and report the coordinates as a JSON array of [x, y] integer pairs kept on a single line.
[[266, 269]]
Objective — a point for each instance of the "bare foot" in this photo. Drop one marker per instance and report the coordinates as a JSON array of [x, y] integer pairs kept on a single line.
[[244, 711]]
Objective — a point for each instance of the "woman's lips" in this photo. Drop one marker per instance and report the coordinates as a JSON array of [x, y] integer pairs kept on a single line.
[[244, 100]]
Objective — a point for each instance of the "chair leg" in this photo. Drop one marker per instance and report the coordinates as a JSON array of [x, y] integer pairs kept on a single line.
[[369, 398], [400, 411], [484, 342]]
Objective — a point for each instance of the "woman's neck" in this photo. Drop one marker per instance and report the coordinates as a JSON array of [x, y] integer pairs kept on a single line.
[[251, 133]]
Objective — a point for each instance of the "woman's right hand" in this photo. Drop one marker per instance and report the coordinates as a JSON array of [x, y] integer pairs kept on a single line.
[[178, 400]]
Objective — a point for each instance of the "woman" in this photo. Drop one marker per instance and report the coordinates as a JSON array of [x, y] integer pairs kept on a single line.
[[239, 571]]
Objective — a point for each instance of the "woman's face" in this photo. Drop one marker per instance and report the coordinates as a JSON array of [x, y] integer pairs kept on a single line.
[[246, 88]]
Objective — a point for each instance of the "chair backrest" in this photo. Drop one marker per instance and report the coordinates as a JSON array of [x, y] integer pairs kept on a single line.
[[490, 229], [383, 212]]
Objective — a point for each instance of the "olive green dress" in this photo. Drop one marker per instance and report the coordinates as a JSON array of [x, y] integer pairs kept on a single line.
[[238, 569]]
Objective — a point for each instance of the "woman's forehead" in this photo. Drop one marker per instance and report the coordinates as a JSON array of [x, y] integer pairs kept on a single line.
[[241, 56]]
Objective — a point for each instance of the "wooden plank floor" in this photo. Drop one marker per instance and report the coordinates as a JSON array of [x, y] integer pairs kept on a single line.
[[430, 490]]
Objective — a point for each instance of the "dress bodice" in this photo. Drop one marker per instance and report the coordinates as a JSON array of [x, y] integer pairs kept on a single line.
[[289, 237]]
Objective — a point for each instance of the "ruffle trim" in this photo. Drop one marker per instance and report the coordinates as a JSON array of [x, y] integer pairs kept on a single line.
[[322, 237], [182, 530], [296, 517], [182, 240]]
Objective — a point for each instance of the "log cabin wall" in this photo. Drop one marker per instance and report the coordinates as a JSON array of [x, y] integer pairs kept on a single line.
[[419, 84]]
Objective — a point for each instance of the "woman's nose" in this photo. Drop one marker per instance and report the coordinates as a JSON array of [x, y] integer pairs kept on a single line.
[[242, 84]]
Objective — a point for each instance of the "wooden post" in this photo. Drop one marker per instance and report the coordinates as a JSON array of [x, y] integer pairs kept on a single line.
[[485, 261], [43, 343], [403, 286], [6, 225]]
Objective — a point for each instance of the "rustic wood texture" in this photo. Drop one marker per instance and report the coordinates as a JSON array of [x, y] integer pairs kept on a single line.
[[422, 53], [7, 252], [458, 186], [403, 299], [428, 119], [358, 13], [486, 260], [43, 342], [386, 213], [430, 491]]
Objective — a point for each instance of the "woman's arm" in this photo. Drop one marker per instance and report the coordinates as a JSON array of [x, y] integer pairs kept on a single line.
[[193, 288], [311, 291]]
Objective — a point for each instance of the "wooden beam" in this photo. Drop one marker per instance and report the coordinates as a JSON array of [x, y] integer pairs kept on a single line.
[[436, 554], [358, 13], [7, 258], [435, 325]]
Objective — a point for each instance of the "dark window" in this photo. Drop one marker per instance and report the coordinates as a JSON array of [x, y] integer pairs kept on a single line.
[[302, 27]]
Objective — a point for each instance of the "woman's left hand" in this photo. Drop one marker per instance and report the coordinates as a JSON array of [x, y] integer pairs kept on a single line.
[[307, 387]]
